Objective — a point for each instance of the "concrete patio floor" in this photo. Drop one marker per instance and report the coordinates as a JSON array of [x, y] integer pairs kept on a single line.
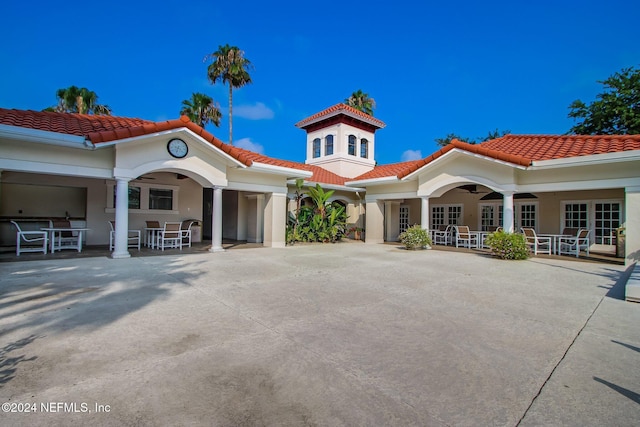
[[344, 334]]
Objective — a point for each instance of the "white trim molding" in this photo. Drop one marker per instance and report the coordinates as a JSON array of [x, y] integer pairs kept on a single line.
[[44, 137]]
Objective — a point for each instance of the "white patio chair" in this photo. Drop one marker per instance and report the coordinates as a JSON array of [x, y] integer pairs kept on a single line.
[[465, 238], [573, 245], [442, 236], [170, 236], [185, 229], [133, 237], [37, 240], [538, 244]]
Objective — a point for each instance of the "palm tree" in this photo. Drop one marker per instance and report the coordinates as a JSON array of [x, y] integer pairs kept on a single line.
[[201, 110], [231, 67], [361, 101], [79, 100]]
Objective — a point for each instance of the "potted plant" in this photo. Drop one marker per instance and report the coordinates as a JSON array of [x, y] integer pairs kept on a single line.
[[358, 232]]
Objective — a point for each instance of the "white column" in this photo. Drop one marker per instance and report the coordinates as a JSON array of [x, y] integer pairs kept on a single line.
[[424, 213], [120, 249], [507, 211], [387, 220], [632, 225], [374, 219], [275, 220], [260, 218], [216, 221]]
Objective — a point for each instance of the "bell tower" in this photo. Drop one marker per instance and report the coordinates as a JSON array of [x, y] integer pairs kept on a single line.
[[341, 139]]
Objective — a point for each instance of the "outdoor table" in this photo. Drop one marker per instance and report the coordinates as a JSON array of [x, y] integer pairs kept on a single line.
[[53, 231], [555, 247], [482, 235], [150, 236]]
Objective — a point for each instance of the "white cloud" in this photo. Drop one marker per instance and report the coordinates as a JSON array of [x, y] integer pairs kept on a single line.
[[411, 155], [259, 111], [247, 144]]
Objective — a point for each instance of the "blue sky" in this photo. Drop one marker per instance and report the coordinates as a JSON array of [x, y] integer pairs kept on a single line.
[[464, 67]]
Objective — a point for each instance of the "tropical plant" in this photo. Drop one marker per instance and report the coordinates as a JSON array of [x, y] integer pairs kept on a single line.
[[201, 110], [450, 137], [231, 67], [616, 111], [361, 102], [78, 100], [508, 245], [490, 135], [415, 237], [323, 222]]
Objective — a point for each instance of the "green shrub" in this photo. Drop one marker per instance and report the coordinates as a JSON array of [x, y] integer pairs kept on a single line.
[[415, 237], [324, 222], [508, 245]]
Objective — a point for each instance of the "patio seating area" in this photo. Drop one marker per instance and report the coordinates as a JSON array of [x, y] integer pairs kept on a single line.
[[571, 242]]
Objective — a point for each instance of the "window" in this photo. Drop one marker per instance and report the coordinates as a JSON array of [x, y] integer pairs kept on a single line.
[[600, 216], [146, 198], [575, 215], [364, 148], [488, 218], [352, 145], [328, 145], [607, 216], [160, 199], [446, 215], [454, 214], [316, 148], [526, 216], [404, 218], [437, 217], [134, 197]]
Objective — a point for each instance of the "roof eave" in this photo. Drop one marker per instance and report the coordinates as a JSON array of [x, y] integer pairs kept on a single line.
[[373, 122], [453, 151], [280, 170], [327, 186], [45, 137], [587, 160], [373, 181]]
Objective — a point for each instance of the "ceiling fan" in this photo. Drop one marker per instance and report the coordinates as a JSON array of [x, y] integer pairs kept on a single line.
[[471, 188], [141, 177]]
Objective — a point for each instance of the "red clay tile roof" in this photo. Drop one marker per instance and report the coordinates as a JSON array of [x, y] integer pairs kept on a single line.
[[517, 149], [520, 150], [341, 109], [101, 129], [319, 174], [394, 169], [67, 123], [547, 147], [400, 170]]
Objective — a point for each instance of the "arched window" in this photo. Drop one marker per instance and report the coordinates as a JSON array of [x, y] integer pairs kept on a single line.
[[364, 148], [316, 148], [352, 145], [328, 145]]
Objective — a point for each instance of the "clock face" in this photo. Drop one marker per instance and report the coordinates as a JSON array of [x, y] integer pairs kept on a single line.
[[177, 148]]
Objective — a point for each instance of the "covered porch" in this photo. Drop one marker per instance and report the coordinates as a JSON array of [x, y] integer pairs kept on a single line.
[[552, 197]]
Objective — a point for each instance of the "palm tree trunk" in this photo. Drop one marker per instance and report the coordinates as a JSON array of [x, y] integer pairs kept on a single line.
[[230, 114]]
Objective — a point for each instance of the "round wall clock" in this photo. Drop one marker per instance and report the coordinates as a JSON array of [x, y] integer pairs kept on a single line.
[[177, 148]]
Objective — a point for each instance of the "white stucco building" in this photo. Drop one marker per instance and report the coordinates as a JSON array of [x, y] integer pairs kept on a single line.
[[93, 169]]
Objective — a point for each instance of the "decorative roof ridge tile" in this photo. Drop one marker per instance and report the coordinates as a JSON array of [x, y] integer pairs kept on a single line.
[[337, 108]]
